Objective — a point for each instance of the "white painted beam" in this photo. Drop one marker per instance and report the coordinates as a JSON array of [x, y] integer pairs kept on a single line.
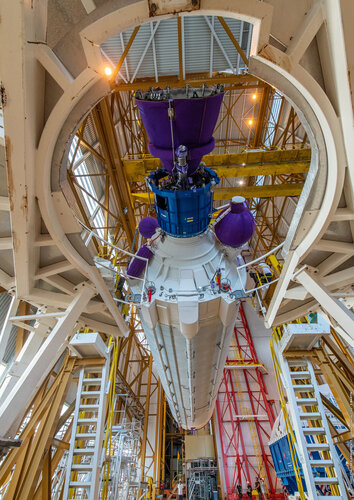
[[6, 328], [44, 240], [24, 326], [6, 280], [334, 281], [23, 81], [304, 36], [25, 356], [59, 267], [335, 246], [50, 61], [332, 306], [4, 203], [40, 316], [62, 300], [89, 5], [34, 375], [343, 214], [98, 326], [6, 243], [60, 283], [332, 262]]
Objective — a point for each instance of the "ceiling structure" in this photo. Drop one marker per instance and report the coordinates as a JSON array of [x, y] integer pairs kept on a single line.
[[255, 127]]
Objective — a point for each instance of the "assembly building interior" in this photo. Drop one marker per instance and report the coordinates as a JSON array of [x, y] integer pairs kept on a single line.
[[176, 249]]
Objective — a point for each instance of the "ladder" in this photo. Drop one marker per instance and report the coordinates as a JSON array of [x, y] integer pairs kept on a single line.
[[82, 476], [315, 448], [173, 492]]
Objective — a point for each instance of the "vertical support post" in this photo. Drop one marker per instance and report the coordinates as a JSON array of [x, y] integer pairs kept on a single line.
[[47, 476], [6, 329], [163, 452], [146, 422], [180, 49]]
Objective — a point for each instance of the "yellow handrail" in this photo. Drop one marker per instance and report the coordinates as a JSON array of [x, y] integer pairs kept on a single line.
[[107, 443]]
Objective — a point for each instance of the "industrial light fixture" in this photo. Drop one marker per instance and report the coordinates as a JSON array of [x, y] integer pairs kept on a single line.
[[254, 96], [108, 70], [250, 122], [241, 181]]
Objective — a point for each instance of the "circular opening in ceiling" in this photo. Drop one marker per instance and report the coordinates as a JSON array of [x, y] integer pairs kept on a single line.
[[261, 151]]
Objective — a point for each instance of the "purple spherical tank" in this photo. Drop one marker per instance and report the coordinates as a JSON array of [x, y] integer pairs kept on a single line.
[[147, 226], [193, 124], [137, 266], [237, 227]]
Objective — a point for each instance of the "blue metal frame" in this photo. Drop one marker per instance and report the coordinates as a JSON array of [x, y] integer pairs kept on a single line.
[[183, 214]]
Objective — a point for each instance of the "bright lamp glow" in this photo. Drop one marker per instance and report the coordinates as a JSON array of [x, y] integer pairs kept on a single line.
[[250, 122], [108, 71], [254, 97]]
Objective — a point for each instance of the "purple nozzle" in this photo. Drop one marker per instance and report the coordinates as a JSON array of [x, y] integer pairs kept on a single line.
[[137, 266], [148, 226], [193, 122], [238, 226]]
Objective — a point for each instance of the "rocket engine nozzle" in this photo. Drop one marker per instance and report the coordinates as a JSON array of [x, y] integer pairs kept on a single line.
[[176, 117]]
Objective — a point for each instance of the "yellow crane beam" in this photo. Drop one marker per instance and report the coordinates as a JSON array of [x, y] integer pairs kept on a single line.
[[267, 191], [247, 164]]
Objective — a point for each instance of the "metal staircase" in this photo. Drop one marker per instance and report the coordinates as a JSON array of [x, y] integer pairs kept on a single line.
[[315, 447], [82, 476]]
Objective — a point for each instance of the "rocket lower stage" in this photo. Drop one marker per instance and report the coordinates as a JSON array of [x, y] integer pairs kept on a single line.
[[188, 319]]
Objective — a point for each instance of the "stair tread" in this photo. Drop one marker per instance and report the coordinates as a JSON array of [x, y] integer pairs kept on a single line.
[[313, 430], [84, 435], [91, 381], [90, 393], [77, 484], [306, 401], [309, 414], [84, 451], [317, 446], [325, 480], [300, 374], [302, 387], [325, 497], [318, 463], [81, 467]]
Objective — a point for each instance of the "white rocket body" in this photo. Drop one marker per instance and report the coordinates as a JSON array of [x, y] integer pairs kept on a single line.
[[188, 322]]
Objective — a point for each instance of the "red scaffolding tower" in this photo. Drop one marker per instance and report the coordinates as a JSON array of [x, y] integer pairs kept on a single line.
[[245, 416]]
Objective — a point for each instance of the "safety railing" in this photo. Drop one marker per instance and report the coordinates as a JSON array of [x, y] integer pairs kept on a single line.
[[265, 280], [116, 270]]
